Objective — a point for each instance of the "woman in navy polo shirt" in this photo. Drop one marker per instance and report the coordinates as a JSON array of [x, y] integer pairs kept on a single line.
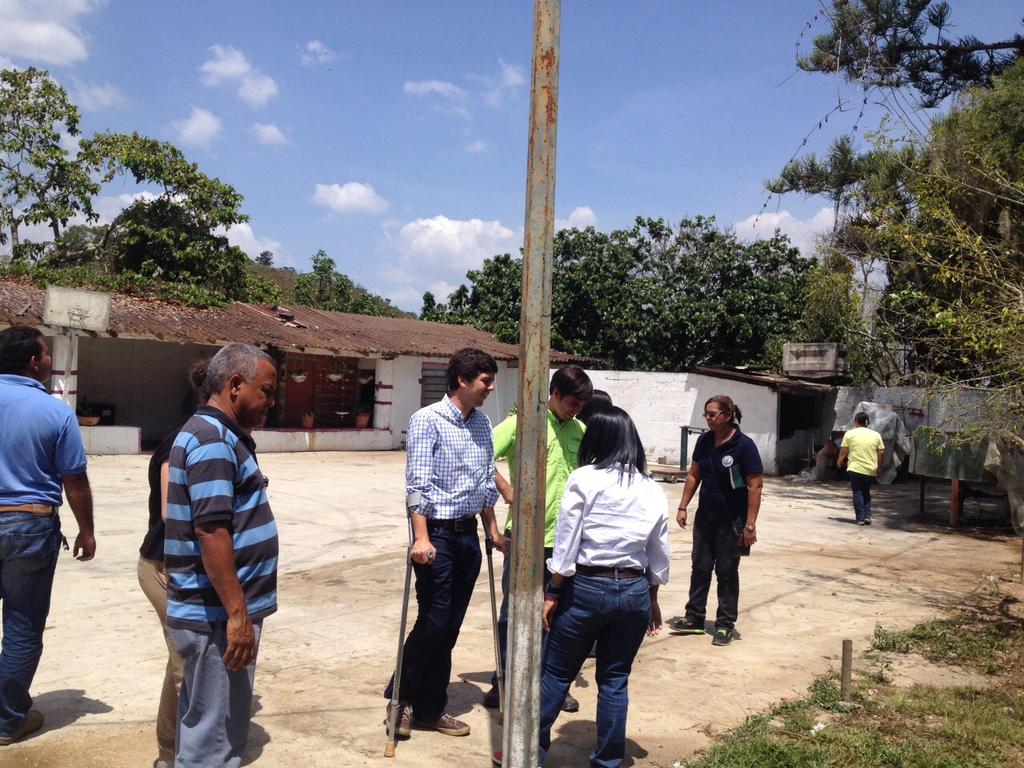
[[728, 469]]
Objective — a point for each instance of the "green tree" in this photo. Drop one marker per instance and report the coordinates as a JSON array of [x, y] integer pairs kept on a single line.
[[891, 44], [652, 297], [39, 181], [178, 234], [326, 288], [266, 258]]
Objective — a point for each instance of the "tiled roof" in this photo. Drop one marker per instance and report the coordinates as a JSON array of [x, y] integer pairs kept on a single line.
[[299, 329]]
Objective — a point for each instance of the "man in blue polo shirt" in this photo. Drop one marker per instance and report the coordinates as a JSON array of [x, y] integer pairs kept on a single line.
[[41, 453], [220, 552]]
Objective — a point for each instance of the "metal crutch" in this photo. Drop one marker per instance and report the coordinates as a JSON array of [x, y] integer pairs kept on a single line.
[[489, 548], [412, 500]]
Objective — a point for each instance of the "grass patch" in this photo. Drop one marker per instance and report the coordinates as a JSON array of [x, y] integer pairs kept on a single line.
[[889, 727], [985, 637]]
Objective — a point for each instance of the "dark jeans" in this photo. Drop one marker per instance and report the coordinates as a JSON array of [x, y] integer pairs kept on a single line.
[[714, 549], [506, 580], [29, 546], [615, 613], [861, 487], [443, 590]]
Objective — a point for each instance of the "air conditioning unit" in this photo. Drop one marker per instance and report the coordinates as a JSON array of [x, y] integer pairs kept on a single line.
[[823, 360]]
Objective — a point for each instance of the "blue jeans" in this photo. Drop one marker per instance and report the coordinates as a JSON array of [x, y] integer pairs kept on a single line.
[[615, 613], [861, 487], [443, 589], [28, 557], [215, 705]]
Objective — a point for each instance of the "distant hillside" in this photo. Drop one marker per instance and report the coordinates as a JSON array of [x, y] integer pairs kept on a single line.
[[287, 279]]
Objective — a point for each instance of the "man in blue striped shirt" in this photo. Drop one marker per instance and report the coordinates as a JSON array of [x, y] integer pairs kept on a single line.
[[220, 551], [449, 479]]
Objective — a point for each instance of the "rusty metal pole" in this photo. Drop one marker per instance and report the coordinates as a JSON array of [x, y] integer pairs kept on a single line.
[[524, 659]]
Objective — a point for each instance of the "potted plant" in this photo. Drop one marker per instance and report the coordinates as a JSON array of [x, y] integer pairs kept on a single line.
[[363, 415], [306, 419], [298, 376], [336, 373], [365, 377]]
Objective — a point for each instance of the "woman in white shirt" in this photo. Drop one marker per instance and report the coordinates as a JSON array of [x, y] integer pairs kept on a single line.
[[610, 557]]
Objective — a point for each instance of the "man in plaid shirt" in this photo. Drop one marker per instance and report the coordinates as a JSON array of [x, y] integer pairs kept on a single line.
[[450, 469]]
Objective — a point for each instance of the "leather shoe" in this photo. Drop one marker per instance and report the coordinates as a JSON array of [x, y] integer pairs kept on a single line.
[[491, 698], [403, 723], [445, 724], [33, 722], [570, 704]]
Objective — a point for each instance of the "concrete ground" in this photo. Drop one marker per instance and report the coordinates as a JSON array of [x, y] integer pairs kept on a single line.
[[813, 579]]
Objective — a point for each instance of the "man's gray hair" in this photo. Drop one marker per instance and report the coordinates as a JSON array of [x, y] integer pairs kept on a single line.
[[242, 359]]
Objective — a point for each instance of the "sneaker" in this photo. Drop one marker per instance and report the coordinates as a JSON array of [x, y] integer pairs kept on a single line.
[[723, 636], [861, 522], [492, 699], [33, 722], [447, 725], [570, 704], [867, 521], [403, 724], [686, 625]]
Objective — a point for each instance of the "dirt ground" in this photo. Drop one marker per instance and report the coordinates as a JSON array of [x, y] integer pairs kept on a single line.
[[814, 578]]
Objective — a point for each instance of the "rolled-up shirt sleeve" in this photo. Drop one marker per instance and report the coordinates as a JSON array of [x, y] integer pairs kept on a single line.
[[569, 531], [419, 468], [657, 553]]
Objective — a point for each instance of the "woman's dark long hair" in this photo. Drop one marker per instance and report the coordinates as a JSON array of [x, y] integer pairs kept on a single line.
[[611, 440]]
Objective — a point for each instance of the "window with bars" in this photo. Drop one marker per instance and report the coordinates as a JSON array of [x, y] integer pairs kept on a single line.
[[433, 383]]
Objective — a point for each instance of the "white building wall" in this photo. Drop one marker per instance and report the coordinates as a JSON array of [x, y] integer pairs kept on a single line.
[[661, 403], [405, 397]]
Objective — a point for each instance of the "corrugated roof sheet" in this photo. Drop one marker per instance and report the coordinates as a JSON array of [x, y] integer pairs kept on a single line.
[[306, 330], [766, 379]]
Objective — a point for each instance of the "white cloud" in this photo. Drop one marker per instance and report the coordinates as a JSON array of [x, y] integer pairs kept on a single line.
[[439, 87], [268, 133], [439, 251], [316, 52], [351, 197], [802, 232], [496, 88], [257, 89], [476, 147], [95, 96], [453, 244], [582, 216], [109, 206], [44, 30], [410, 298], [230, 65], [198, 129], [243, 236]]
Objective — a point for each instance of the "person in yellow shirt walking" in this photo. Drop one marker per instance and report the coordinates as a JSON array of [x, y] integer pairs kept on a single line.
[[569, 391], [863, 450]]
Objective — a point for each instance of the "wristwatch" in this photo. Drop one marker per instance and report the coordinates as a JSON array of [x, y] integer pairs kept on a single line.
[[749, 527]]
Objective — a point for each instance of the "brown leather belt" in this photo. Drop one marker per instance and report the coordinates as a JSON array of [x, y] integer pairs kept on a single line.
[[609, 573], [40, 510]]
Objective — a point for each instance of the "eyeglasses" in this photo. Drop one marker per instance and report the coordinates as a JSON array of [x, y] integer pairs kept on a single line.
[[711, 414]]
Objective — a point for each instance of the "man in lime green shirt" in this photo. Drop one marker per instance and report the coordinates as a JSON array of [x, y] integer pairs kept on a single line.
[[569, 391], [864, 450]]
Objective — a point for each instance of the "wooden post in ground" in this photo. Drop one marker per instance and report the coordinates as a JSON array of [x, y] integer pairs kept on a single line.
[[847, 670]]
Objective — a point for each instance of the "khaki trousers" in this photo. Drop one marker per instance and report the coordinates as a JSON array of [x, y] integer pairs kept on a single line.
[[153, 580]]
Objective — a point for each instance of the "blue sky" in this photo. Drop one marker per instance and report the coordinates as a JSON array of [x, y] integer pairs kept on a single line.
[[393, 134]]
